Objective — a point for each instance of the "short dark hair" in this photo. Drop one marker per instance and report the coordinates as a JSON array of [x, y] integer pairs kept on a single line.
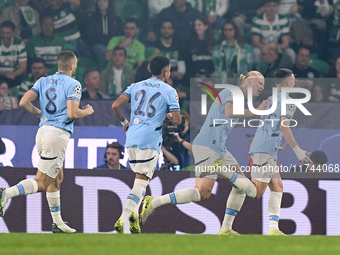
[[281, 74], [272, 1], [304, 47], [120, 48], [38, 60], [8, 24], [158, 63], [45, 16], [168, 20], [131, 20], [64, 58], [115, 145], [88, 71], [319, 157]]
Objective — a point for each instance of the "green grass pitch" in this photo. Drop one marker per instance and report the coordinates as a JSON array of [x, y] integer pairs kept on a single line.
[[84, 244]]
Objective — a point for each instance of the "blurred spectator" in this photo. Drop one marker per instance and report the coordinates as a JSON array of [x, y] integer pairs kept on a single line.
[[40, 5], [64, 17], [135, 49], [319, 93], [113, 153], [334, 31], [232, 56], [271, 61], [319, 159], [7, 102], [322, 12], [86, 9], [334, 89], [183, 139], [25, 19], [304, 74], [156, 6], [13, 56], [181, 95], [199, 49], [2, 147], [6, 3], [183, 16], [271, 27], [215, 10], [171, 48], [116, 78], [243, 11], [46, 45], [301, 69], [38, 70], [289, 9], [136, 9], [101, 27], [176, 145], [92, 84]]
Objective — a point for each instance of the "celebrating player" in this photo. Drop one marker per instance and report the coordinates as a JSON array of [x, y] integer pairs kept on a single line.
[[151, 101], [265, 145], [59, 97], [209, 150]]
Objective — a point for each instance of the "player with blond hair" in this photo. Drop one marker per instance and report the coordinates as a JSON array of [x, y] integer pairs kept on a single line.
[[209, 150]]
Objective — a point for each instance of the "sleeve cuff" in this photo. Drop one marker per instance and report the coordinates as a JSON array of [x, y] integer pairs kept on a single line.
[[174, 110]]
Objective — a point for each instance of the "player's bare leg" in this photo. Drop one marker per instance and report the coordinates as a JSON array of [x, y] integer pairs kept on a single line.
[[234, 205], [132, 202]]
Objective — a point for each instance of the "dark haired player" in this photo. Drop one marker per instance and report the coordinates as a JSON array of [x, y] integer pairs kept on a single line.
[[151, 101]]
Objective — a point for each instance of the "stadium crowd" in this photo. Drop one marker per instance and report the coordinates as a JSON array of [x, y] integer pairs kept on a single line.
[[115, 40]]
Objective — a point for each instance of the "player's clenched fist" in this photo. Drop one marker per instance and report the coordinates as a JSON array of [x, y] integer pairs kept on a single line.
[[89, 109]]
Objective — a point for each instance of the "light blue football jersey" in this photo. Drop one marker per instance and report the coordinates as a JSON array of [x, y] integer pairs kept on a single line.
[[151, 100], [53, 92], [217, 126], [268, 137]]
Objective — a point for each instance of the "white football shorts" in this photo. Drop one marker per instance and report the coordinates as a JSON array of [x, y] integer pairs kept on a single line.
[[143, 161], [51, 144], [264, 167], [205, 157]]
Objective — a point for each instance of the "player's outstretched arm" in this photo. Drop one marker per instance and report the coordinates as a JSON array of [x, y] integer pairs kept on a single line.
[[74, 112], [25, 103], [229, 110], [117, 108], [288, 135]]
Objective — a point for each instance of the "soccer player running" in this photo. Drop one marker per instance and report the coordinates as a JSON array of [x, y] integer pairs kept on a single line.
[[59, 97], [209, 150], [151, 101], [265, 146]]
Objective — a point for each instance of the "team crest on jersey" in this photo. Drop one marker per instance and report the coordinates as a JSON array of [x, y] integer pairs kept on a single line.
[[136, 121], [77, 89], [291, 107]]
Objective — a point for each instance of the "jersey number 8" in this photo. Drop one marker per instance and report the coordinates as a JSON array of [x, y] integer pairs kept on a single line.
[[51, 107]]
